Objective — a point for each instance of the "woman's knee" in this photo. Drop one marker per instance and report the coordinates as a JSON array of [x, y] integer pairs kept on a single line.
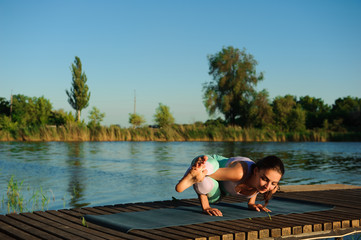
[[205, 186]]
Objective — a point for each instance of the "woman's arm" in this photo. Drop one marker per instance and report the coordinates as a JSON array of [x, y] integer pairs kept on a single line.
[[206, 208], [258, 207], [233, 173]]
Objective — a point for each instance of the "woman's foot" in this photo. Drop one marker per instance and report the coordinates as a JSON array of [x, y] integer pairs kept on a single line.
[[194, 175]]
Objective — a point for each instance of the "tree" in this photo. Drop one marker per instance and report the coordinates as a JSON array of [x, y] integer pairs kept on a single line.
[[316, 111], [78, 96], [4, 107], [288, 115], [31, 111], [136, 120], [162, 116], [261, 111], [96, 117], [297, 119], [43, 110], [232, 90], [347, 111], [60, 117]]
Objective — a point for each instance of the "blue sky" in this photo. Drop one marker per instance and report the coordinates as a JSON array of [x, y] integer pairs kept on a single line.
[[160, 48]]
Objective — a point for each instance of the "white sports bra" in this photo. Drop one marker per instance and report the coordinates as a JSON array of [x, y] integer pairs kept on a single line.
[[229, 186]]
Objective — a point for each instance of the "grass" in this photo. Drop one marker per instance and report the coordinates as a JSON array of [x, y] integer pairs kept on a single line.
[[38, 199], [15, 199], [192, 132], [84, 222], [15, 202]]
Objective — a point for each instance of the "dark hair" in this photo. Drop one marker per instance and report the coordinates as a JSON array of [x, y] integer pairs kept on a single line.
[[274, 163], [271, 162]]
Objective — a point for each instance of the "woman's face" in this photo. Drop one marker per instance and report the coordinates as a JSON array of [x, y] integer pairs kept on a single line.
[[266, 179]]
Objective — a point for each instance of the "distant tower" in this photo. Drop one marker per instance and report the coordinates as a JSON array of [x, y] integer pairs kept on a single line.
[[11, 104]]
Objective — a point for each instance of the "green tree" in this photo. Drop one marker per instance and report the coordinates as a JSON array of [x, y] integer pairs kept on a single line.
[[261, 112], [31, 111], [43, 110], [96, 117], [232, 89], [316, 111], [4, 107], [297, 119], [78, 96], [6, 123], [60, 117], [22, 109], [347, 112], [288, 115], [136, 120], [162, 116]]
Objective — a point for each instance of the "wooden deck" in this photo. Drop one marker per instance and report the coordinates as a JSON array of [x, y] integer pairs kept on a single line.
[[67, 224]]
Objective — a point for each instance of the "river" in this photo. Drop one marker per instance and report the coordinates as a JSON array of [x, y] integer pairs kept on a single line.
[[75, 174]]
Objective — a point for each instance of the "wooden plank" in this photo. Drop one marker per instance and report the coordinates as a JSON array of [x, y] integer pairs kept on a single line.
[[45, 227], [77, 226], [5, 236], [325, 198], [95, 211], [179, 233], [205, 231], [28, 228], [211, 231], [76, 219], [198, 233], [297, 226], [61, 227], [166, 234], [110, 210], [149, 234], [276, 229], [15, 232], [228, 229]]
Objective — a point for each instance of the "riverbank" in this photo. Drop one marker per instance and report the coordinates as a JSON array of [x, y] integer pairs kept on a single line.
[[175, 133]]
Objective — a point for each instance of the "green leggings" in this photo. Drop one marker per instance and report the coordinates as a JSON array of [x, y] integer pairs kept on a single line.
[[209, 186]]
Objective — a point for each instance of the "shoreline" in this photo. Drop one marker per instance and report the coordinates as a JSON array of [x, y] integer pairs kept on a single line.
[[176, 133]]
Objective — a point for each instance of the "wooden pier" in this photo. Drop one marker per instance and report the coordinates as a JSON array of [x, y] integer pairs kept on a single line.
[[343, 219]]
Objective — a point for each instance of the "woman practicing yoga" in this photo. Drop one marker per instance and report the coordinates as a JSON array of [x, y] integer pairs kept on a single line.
[[213, 176]]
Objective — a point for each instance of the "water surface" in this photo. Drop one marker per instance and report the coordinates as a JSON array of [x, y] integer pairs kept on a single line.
[[74, 174]]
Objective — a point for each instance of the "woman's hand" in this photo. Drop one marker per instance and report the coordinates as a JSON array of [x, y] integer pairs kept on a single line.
[[258, 207], [213, 212]]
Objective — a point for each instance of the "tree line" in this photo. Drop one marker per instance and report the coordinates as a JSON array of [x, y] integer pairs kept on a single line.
[[231, 93]]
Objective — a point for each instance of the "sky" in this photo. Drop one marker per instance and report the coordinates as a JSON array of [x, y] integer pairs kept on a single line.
[[157, 50]]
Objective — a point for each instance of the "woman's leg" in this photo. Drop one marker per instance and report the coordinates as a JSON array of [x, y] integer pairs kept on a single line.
[[200, 167], [210, 188], [195, 173]]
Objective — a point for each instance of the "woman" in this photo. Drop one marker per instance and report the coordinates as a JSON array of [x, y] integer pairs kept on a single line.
[[214, 176]]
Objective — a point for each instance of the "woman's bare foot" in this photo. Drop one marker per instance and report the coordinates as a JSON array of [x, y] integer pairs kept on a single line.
[[194, 175]]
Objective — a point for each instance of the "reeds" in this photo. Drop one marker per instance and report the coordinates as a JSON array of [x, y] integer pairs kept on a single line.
[[15, 202], [192, 132]]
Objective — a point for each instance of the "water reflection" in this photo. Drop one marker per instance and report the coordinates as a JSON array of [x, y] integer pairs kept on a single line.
[[163, 158], [22, 150], [162, 152], [134, 149], [76, 184]]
